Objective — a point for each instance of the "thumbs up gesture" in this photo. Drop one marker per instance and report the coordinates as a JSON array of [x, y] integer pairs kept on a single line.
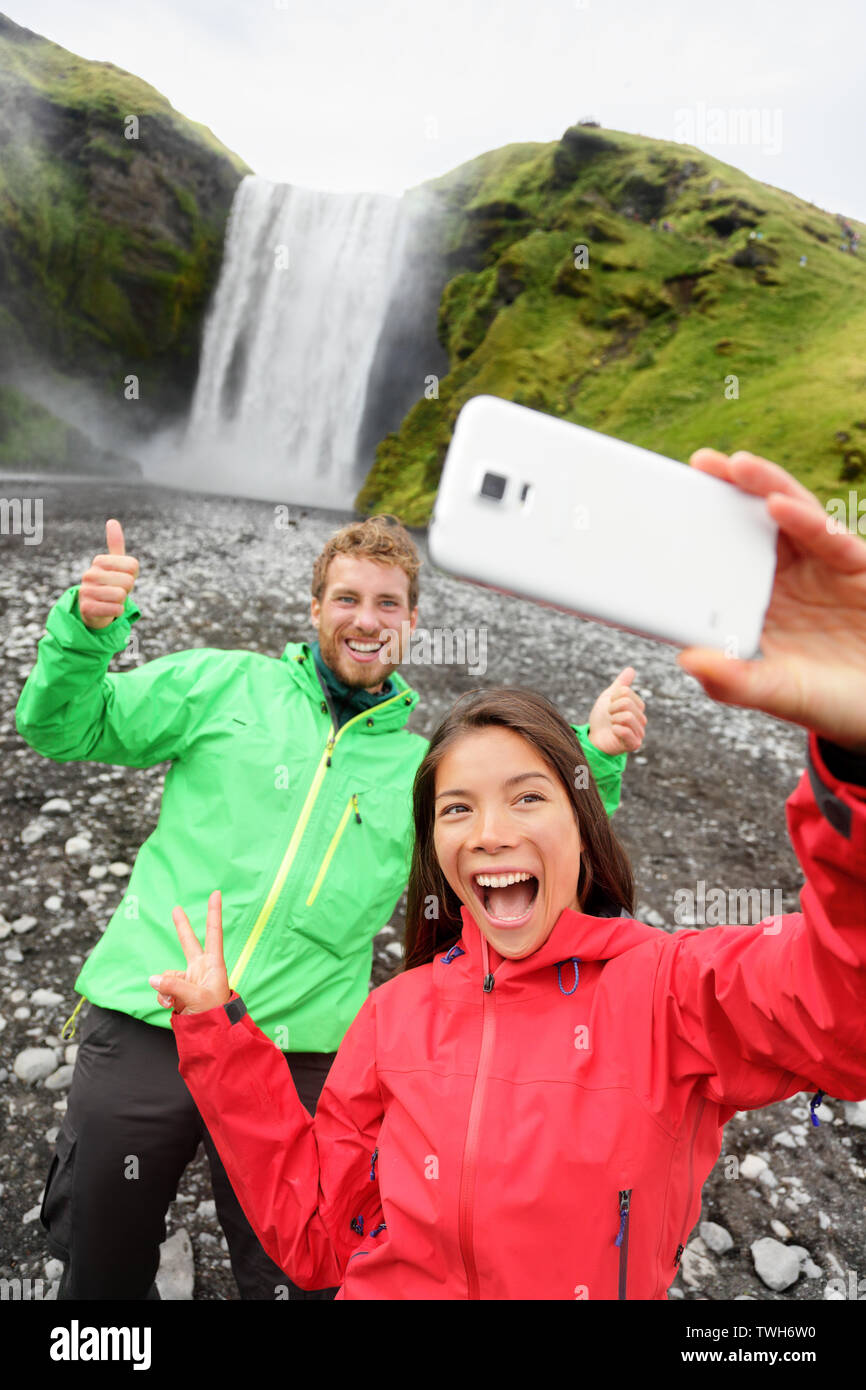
[[104, 587], [617, 721]]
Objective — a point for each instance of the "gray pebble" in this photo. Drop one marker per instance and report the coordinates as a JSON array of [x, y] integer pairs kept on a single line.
[[45, 998], [60, 1079], [777, 1265], [34, 1064]]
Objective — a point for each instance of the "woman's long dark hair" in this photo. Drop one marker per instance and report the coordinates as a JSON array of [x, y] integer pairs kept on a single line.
[[605, 883]]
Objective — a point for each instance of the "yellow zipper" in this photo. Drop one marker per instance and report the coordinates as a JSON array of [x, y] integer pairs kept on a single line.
[[288, 858], [331, 847]]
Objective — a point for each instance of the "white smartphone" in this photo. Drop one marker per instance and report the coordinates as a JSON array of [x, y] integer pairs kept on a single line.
[[543, 509]]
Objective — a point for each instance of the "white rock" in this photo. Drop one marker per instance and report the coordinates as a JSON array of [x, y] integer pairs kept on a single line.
[[675, 1293], [32, 832], [13, 955], [777, 1265], [71, 1053], [53, 904], [32, 1214], [751, 1166], [5, 929], [855, 1112], [21, 1012], [807, 1265], [176, 1274], [207, 1209], [17, 996], [395, 949], [45, 998], [51, 1134], [767, 1178], [76, 846], [824, 1221], [57, 806], [60, 1079], [832, 1294], [781, 1230], [34, 1064], [119, 869], [786, 1140], [53, 1269], [97, 871], [696, 1270], [715, 1237], [824, 1113], [23, 924]]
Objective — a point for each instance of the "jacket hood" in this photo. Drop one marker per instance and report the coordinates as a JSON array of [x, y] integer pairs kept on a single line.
[[387, 716], [575, 936]]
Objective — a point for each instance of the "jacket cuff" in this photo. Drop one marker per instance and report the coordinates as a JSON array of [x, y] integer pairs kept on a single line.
[[835, 797], [68, 628], [843, 763], [601, 763]]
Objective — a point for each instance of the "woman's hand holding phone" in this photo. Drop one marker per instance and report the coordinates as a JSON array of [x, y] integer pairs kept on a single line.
[[813, 643], [204, 984]]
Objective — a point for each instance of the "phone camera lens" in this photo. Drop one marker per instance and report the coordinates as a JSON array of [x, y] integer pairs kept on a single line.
[[493, 486]]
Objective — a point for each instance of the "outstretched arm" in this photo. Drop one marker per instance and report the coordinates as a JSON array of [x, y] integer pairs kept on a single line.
[[764, 1011], [301, 1181]]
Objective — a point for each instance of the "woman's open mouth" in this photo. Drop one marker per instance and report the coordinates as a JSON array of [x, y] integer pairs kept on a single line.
[[507, 897]]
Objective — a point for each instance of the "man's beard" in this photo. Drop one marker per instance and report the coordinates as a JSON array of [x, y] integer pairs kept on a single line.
[[359, 676]]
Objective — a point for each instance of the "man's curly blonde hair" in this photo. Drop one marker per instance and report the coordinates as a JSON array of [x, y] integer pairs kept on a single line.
[[382, 538]]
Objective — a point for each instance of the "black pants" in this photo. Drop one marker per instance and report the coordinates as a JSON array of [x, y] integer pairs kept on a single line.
[[129, 1131]]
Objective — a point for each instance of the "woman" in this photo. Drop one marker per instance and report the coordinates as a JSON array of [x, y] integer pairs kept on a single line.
[[530, 1108]]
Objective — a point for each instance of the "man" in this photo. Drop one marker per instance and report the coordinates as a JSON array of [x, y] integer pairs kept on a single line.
[[290, 789]]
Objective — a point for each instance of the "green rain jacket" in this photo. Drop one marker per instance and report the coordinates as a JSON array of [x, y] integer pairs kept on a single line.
[[306, 829]]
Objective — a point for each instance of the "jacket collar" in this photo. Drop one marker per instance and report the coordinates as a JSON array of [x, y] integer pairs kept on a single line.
[[575, 934], [389, 714]]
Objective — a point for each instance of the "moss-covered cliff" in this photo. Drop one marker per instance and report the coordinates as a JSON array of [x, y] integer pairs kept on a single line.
[[693, 278], [109, 246]]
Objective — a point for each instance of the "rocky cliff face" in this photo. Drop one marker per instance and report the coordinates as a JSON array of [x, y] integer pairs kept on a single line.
[[112, 219]]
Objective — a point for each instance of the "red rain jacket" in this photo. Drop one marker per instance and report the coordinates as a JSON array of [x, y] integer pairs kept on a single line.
[[544, 1133]]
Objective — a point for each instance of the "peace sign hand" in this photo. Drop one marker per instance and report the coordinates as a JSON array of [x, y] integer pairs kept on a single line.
[[204, 984]]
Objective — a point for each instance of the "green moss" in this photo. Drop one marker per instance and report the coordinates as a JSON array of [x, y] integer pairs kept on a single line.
[[629, 345]]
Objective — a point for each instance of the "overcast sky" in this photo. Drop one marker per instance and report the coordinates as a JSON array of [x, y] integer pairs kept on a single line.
[[343, 94]]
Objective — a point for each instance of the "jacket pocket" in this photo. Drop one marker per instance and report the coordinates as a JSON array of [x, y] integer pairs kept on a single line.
[[351, 805], [55, 1213], [691, 1181]]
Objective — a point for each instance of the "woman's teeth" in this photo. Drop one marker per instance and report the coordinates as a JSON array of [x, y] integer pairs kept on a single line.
[[496, 897], [501, 880]]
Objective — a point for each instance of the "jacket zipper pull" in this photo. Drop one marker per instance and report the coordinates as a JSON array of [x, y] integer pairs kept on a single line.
[[677, 1255], [624, 1200], [373, 1165], [329, 748], [355, 804], [488, 983]]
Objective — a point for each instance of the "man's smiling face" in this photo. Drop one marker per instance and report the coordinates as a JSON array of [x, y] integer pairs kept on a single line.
[[362, 603]]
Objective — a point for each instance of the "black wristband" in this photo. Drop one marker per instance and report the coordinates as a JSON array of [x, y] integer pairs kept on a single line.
[[235, 1009]]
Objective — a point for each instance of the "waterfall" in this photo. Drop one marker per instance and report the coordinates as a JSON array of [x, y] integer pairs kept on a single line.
[[289, 340]]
